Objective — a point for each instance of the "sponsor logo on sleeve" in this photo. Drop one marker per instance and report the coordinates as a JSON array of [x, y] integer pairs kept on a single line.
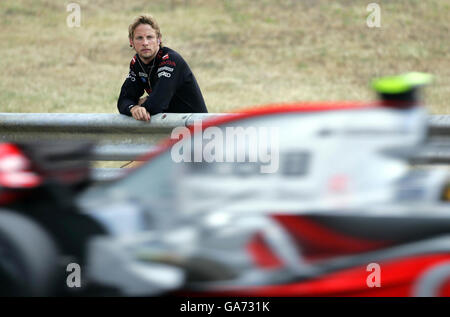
[[165, 74], [165, 56], [170, 63], [132, 76], [169, 69]]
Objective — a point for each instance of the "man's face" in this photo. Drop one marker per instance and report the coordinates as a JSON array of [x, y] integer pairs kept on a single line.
[[145, 42]]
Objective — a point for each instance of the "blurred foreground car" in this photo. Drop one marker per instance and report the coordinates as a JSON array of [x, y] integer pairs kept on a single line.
[[293, 200]]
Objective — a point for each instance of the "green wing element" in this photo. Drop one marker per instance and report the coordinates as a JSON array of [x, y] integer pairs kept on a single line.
[[401, 83]]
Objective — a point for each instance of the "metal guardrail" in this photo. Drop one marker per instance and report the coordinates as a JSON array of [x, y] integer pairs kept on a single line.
[[103, 128], [439, 125], [118, 137], [121, 138]]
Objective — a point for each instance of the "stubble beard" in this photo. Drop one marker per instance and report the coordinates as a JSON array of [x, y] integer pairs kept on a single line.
[[147, 57]]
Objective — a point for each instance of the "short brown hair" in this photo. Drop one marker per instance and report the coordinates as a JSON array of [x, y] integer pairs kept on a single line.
[[144, 19]]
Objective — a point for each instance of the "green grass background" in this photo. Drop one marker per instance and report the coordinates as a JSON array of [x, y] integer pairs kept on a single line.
[[243, 52]]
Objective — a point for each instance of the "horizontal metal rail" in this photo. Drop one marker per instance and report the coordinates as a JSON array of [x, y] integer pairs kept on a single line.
[[102, 128], [121, 138], [121, 152], [432, 153], [439, 125], [99, 122], [109, 123]]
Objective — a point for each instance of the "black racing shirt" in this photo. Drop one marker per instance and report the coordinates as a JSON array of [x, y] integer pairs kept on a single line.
[[172, 86]]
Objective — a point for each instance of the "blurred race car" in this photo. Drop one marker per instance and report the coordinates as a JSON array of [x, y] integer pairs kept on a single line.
[[311, 199]]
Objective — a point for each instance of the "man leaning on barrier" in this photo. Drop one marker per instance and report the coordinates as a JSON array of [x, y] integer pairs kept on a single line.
[[159, 71]]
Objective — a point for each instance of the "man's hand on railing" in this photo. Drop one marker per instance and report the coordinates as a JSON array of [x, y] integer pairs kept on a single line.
[[140, 113]]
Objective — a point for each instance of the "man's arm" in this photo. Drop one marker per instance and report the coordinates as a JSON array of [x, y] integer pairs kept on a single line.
[[130, 93]]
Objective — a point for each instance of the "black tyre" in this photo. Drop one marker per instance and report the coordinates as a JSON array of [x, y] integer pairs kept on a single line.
[[28, 257]]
